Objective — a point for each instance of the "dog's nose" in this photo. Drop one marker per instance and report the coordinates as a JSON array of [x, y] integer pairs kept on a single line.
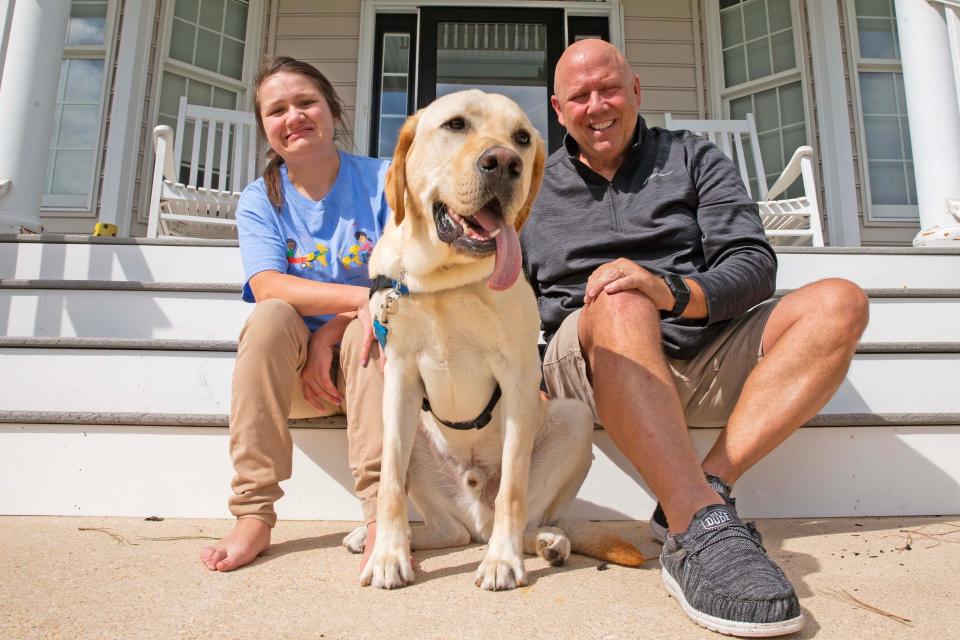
[[500, 159]]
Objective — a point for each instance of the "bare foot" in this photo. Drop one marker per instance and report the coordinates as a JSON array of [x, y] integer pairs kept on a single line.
[[368, 544], [250, 537]]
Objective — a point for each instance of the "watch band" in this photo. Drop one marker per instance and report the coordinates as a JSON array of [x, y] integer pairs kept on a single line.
[[681, 293]]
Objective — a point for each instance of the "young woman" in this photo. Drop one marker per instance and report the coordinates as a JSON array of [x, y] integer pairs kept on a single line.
[[304, 351]]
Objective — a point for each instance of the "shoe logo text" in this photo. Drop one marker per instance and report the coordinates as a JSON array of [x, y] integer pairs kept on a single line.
[[715, 519]]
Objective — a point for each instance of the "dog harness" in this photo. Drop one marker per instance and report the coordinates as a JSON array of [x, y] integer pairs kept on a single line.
[[380, 330]]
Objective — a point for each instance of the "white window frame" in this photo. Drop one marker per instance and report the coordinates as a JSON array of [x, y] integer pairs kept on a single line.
[[244, 86], [71, 206], [721, 95], [611, 9], [858, 64]]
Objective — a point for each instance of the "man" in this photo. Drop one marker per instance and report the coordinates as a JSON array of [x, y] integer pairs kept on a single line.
[[650, 265]]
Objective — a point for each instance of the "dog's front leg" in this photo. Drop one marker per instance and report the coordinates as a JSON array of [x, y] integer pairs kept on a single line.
[[502, 567], [389, 566]]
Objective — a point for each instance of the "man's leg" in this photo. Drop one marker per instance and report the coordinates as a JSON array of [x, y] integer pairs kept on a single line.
[[273, 347], [808, 343], [638, 404]]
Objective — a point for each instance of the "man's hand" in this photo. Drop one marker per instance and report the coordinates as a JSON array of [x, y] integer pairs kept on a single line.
[[624, 275], [315, 377]]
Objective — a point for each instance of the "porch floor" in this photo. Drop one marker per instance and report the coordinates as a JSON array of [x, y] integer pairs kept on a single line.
[[129, 578]]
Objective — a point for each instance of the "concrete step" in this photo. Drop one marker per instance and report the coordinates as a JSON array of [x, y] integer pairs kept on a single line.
[[133, 259], [214, 311], [185, 472]]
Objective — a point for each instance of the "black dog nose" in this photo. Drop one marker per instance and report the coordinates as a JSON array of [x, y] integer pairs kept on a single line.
[[500, 159]]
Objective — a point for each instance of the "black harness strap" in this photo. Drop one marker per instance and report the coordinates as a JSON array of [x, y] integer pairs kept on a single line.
[[478, 423]]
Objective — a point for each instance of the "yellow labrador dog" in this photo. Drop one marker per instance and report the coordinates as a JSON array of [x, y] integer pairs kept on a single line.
[[484, 456]]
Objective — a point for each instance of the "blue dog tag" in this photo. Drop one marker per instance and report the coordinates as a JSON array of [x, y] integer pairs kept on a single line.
[[380, 331]]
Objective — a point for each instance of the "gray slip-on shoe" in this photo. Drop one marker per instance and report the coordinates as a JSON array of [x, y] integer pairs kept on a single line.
[[721, 575]]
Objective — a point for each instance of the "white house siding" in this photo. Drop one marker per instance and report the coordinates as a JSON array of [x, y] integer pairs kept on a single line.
[[326, 34], [661, 39]]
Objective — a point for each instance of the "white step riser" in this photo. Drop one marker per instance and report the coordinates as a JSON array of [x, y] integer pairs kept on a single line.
[[122, 314], [173, 382], [177, 472], [156, 263], [219, 316]]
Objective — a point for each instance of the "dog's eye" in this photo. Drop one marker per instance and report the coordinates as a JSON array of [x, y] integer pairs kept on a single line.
[[522, 137], [456, 124]]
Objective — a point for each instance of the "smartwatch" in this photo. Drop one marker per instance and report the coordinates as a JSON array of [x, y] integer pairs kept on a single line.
[[681, 294]]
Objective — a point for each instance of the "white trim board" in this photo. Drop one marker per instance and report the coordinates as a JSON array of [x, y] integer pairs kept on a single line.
[[177, 472]]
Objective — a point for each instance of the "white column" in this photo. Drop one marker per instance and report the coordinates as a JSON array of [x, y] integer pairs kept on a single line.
[[28, 95], [934, 116], [126, 111]]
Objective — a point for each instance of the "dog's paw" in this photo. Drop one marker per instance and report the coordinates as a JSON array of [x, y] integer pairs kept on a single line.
[[356, 540], [553, 546], [501, 574], [388, 569]]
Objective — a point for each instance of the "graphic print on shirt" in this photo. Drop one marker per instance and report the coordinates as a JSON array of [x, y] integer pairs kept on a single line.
[[313, 260], [356, 255]]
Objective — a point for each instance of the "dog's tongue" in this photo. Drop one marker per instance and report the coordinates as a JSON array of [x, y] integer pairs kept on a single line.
[[506, 269]]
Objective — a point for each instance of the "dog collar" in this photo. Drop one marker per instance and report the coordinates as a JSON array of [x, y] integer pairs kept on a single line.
[[396, 289], [477, 423]]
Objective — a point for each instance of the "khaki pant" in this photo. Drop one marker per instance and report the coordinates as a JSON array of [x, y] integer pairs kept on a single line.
[[709, 384], [266, 391]]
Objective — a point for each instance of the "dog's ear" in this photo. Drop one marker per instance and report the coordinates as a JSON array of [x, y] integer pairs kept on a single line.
[[535, 180], [396, 186]]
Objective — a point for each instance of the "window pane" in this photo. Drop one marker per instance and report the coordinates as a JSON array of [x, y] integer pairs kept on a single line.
[[883, 137], [731, 27], [84, 81], [187, 9], [874, 8], [734, 66], [911, 185], [231, 58], [767, 112], [173, 87], [211, 14], [72, 173], [393, 96], [784, 55], [876, 38], [755, 19], [771, 151], [905, 134], [740, 107], [877, 94], [88, 23], [758, 58], [224, 99], [389, 130], [506, 58], [887, 183], [208, 51], [235, 25], [780, 17], [79, 126], [396, 52], [791, 104], [182, 39]]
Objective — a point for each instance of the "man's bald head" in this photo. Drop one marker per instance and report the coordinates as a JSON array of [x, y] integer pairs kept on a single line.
[[589, 53]]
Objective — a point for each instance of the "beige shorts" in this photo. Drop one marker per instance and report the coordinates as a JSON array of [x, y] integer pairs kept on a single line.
[[708, 385]]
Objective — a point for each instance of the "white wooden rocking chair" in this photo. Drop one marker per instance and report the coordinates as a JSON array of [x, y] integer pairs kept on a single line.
[[204, 205], [787, 221]]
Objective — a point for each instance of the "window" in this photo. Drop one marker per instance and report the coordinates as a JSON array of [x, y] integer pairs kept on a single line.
[[759, 73], [207, 60], [884, 132], [74, 152], [394, 62]]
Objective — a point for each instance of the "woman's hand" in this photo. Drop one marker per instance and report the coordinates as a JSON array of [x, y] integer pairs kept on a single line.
[[366, 321], [315, 377]]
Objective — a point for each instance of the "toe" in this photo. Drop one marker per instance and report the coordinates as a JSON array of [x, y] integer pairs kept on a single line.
[[214, 556]]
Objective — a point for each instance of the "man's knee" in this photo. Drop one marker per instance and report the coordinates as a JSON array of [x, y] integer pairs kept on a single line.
[[845, 304], [625, 315]]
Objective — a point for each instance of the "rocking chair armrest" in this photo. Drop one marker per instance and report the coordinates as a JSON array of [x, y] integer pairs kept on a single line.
[[801, 162], [163, 150]]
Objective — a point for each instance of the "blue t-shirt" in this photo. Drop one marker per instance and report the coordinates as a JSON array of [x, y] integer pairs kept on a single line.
[[329, 240]]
